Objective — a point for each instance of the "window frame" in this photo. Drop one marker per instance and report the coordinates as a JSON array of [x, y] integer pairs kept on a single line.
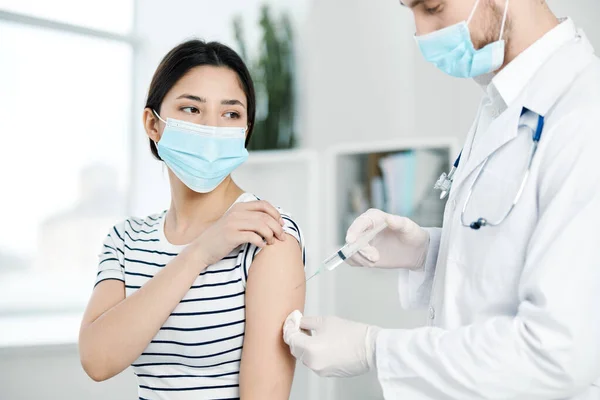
[[46, 320]]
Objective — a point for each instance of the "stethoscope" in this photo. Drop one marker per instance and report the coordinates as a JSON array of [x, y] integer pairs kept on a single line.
[[444, 183]]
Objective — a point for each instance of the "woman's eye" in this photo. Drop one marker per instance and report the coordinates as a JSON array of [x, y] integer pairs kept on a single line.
[[190, 110], [232, 115], [433, 10]]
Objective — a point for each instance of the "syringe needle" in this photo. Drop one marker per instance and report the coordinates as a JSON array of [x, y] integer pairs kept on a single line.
[[312, 276]]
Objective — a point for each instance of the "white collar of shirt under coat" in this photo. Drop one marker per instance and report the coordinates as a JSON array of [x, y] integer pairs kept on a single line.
[[535, 79], [509, 83]]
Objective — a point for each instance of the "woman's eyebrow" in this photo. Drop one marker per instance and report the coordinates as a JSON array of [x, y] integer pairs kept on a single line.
[[228, 102], [192, 97], [232, 102], [411, 4]]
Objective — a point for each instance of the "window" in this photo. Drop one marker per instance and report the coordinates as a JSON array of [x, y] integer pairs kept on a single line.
[[108, 15], [65, 118]]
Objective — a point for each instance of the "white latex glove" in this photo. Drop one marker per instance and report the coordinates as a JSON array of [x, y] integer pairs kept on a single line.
[[336, 348], [403, 244]]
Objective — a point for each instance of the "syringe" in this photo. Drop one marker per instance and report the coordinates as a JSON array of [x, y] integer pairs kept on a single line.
[[348, 250]]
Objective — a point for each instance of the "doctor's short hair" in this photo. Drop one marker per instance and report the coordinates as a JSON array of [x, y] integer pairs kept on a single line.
[[195, 53]]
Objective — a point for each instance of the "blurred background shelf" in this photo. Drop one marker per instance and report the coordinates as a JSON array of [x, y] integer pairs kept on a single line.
[[396, 177]]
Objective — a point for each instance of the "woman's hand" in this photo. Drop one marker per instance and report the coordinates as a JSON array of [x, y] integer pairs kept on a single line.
[[256, 222]]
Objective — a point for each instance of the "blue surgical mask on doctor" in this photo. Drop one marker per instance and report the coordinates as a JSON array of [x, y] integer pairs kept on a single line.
[[201, 156], [451, 49]]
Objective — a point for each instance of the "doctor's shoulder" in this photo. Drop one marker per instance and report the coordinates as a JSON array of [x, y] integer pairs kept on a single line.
[[572, 135], [575, 117]]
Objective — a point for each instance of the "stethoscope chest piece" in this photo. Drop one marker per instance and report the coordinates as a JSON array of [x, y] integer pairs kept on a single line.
[[476, 225], [444, 183]]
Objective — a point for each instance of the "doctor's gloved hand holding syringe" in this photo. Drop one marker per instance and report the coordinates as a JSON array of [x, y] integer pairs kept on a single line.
[[368, 240], [401, 244]]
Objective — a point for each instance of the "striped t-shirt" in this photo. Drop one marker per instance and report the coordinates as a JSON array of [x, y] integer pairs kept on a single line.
[[196, 354]]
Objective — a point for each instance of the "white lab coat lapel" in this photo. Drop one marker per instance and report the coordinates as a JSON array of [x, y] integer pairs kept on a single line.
[[468, 146], [501, 131], [562, 68]]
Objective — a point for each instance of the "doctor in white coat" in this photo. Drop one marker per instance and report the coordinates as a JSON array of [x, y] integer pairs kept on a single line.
[[513, 293]]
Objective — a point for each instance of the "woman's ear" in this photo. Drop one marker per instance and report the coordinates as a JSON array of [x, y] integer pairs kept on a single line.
[[152, 125]]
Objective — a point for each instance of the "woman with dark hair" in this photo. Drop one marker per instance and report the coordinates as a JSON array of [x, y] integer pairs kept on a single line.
[[194, 298]]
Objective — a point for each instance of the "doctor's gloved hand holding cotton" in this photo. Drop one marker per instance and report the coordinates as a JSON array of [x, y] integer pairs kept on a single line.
[[403, 244]]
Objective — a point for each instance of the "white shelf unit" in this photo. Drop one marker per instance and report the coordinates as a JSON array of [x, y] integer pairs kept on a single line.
[[289, 179], [368, 295]]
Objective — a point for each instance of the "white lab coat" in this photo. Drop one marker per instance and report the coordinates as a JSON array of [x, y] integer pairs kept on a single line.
[[514, 310]]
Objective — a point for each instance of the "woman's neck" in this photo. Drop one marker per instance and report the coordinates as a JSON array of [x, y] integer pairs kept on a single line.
[[190, 212]]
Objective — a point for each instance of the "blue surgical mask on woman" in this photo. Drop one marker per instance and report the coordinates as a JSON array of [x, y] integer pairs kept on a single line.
[[451, 49], [201, 156]]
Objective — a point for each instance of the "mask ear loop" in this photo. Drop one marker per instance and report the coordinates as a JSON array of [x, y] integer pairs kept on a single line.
[[473, 12], [158, 116], [504, 20]]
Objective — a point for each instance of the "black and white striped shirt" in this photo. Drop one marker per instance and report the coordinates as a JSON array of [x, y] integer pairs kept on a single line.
[[196, 354]]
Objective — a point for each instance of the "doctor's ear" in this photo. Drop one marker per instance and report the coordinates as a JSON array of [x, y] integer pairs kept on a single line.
[[153, 128]]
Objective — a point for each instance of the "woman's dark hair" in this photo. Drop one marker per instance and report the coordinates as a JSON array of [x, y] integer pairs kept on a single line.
[[195, 53]]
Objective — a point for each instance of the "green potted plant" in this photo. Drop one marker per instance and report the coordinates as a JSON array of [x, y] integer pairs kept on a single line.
[[273, 75]]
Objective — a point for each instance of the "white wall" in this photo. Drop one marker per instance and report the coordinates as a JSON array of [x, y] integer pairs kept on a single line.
[[363, 80], [359, 72]]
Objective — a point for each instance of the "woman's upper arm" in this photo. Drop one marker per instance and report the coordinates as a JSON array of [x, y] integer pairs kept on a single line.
[[109, 289], [274, 289]]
